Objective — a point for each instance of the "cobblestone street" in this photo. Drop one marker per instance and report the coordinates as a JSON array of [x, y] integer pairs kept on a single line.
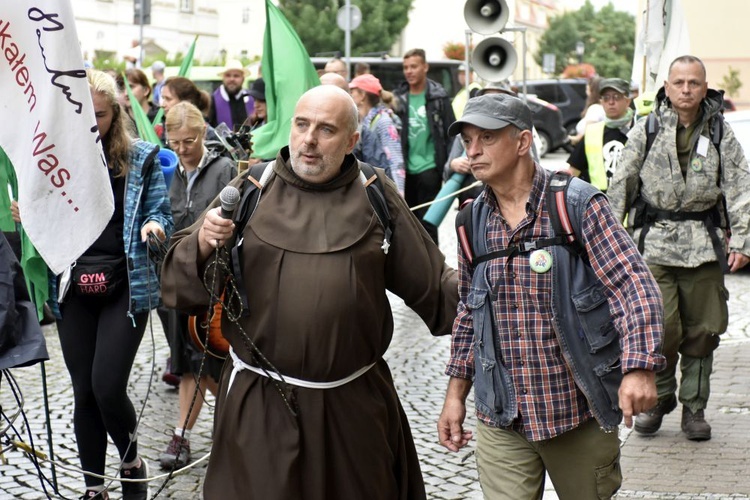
[[666, 466]]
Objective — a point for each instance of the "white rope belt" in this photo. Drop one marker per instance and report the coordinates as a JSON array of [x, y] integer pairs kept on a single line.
[[240, 365]]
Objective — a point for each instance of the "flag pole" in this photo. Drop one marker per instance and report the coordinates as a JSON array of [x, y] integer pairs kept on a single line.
[[49, 425], [645, 45]]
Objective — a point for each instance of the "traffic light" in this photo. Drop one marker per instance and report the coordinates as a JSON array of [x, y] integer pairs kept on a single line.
[[495, 58]]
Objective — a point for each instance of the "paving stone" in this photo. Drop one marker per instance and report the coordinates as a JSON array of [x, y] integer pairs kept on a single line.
[[665, 466]]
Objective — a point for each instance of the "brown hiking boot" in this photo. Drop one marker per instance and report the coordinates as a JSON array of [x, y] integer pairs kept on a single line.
[[694, 425], [650, 421]]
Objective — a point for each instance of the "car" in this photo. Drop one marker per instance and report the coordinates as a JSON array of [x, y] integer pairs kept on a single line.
[[728, 105], [568, 94], [389, 71], [548, 124], [740, 123]]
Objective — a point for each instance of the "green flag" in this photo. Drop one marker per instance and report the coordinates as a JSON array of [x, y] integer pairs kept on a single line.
[[34, 267], [288, 73], [185, 67], [145, 129]]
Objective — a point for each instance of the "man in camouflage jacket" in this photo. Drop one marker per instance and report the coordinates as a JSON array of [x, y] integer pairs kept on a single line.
[[674, 197]]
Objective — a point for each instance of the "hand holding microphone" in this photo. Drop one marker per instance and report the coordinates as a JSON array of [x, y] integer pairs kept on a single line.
[[217, 225]]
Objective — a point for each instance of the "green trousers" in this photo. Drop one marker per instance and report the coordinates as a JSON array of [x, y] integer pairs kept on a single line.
[[695, 314], [583, 464]]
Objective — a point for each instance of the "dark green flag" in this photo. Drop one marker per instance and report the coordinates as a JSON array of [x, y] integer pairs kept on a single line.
[[288, 73]]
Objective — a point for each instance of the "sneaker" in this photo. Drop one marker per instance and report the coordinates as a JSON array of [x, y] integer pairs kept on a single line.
[[650, 421], [168, 377], [177, 455], [97, 495], [694, 425], [135, 491]]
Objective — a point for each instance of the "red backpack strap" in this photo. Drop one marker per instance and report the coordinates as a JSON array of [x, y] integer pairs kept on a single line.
[[464, 230]]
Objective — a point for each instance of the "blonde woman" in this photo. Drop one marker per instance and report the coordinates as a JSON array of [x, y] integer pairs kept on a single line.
[[201, 175], [100, 332]]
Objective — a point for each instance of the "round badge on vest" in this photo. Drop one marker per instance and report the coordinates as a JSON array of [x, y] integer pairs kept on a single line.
[[540, 261], [696, 164]]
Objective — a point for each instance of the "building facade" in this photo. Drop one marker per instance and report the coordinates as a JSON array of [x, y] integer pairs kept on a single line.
[[107, 28]]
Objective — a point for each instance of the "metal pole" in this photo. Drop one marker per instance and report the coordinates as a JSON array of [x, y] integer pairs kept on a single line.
[[139, 62], [348, 44], [49, 425], [524, 64], [523, 56], [645, 44], [466, 60]]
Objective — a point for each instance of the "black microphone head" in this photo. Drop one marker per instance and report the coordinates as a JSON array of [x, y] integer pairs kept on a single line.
[[229, 198]]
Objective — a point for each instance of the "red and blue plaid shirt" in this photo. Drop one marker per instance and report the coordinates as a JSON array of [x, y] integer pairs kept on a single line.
[[549, 402]]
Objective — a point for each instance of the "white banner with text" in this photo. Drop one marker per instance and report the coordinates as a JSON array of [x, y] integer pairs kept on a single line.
[[49, 130]]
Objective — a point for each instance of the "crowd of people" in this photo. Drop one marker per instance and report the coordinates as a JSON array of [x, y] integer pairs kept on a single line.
[[563, 331]]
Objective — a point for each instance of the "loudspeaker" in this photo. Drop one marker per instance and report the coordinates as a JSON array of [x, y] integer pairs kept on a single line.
[[486, 16], [494, 59]]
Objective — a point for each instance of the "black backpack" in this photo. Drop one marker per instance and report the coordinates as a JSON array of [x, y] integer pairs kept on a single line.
[[645, 215], [252, 189], [556, 200]]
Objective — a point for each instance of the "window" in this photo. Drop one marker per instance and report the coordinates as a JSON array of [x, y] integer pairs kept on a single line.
[[549, 93]]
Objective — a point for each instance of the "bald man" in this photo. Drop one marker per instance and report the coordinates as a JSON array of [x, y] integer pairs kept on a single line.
[[336, 65], [308, 409], [334, 79]]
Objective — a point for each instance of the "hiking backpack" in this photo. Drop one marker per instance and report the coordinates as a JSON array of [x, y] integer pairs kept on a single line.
[[557, 205], [645, 215]]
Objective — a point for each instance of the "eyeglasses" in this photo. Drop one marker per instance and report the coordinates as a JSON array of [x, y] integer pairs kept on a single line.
[[187, 142], [612, 98]]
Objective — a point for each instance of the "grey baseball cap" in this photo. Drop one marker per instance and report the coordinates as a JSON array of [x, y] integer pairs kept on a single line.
[[616, 84], [493, 112]]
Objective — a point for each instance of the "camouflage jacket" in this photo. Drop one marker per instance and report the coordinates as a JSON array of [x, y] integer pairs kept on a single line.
[[659, 181]]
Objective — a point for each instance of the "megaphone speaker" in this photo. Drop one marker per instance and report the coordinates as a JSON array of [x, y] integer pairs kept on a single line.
[[486, 16], [494, 59]]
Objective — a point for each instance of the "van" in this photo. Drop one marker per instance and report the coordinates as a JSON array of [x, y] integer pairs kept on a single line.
[[389, 71]]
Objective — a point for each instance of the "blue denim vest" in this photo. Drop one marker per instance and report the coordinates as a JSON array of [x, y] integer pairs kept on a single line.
[[581, 319]]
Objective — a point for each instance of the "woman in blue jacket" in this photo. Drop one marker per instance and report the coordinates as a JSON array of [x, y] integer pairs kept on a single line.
[[102, 314]]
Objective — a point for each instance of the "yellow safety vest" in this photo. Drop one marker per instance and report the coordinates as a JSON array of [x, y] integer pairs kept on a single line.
[[594, 146], [644, 103]]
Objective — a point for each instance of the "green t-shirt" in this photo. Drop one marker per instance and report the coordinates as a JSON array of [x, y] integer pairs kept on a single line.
[[421, 147]]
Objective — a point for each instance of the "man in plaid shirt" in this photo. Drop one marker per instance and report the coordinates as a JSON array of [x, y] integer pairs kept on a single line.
[[558, 347]]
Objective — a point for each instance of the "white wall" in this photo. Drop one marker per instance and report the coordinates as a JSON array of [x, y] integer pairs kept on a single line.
[[432, 23], [108, 25]]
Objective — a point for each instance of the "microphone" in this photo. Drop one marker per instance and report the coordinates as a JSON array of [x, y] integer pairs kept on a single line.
[[229, 198]]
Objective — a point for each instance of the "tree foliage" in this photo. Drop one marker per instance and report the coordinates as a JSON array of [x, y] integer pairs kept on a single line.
[[315, 23], [731, 82], [608, 36]]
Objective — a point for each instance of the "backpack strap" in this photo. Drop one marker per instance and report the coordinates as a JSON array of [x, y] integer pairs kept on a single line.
[[652, 129], [374, 121], [464, 230], [557, 206], [564, 231], [376, 194], [256, 179]]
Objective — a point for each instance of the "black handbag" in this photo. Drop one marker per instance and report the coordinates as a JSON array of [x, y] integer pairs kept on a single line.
[[98, 275]]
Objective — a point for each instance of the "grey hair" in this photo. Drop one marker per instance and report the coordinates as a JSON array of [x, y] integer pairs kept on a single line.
[[688, 59]]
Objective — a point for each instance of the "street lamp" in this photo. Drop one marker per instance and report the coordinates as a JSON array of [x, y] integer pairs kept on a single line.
[[580, 48]]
